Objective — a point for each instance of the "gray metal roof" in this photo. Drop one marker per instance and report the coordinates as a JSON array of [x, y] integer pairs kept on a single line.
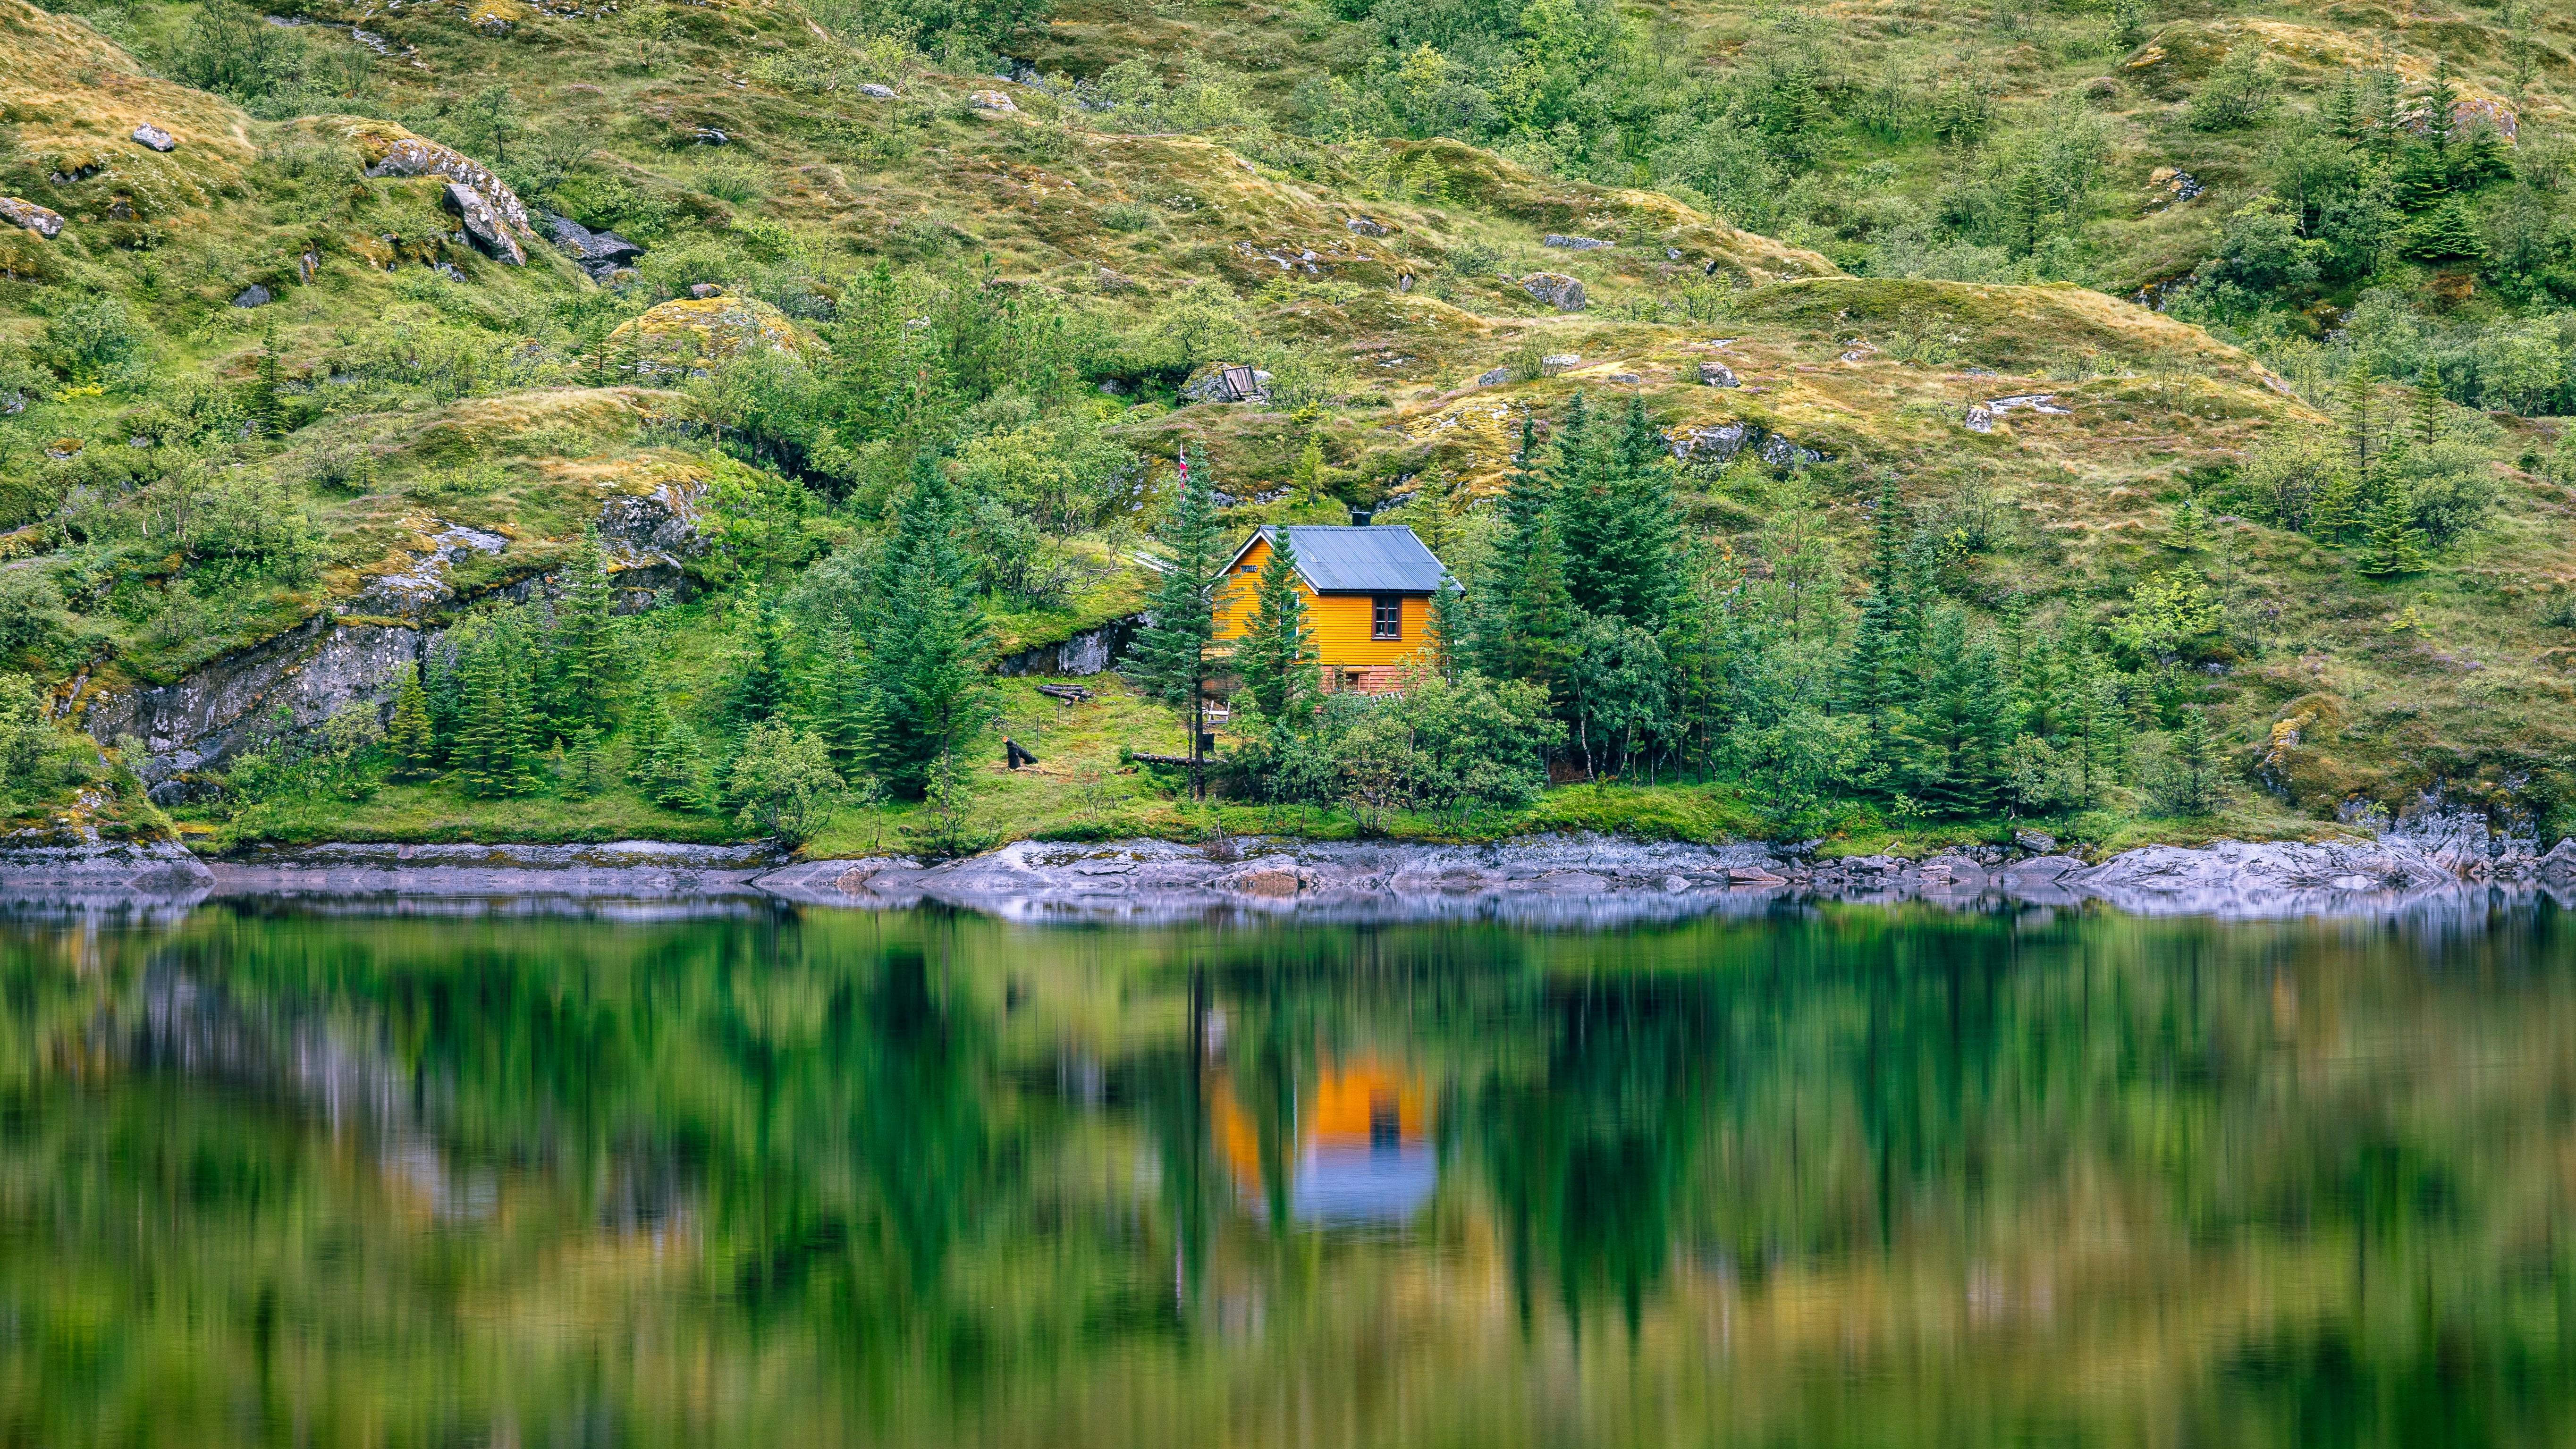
[[1371, 559]]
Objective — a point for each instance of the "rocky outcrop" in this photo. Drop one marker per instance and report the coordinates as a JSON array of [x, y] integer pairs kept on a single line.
[[993, 101], [1713, 373], [1591, 880], [482, 223], [654, 874], [153, 136], [1574, 243], [300, 678], [1555, 880], [43, 221], [1089, 652], [599, 253], [408, 155], [91, 871], [1556, 289], [294, 681]]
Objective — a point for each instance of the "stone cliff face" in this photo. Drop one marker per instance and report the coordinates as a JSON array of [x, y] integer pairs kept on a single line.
[[298, 679]]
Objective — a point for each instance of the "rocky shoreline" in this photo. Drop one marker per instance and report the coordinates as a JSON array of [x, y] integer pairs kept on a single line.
[[1571, 880]]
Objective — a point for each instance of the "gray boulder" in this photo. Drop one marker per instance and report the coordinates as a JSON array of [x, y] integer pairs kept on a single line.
[[1495, 378], [1573, 243], [154, 137], [1713, 373], [876, 92], [43, 221], [1365, 227], [1556, 289], [253, 295], [599, 252], [483, 223]]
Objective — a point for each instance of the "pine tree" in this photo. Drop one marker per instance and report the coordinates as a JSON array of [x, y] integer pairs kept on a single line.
[[2193, 786], [930, 638], [644, 732], [2336, 508], [2441, 106], [1310, 468], [842, 709], [1171, 659], [413, 742], [493, 749], [675, 771], [585, 639], [2395, 545], [2430, 408], [2445, 234], [764, 686], [2343, 106], [2096, 731], [2361, 423], [1522, 614], [1621, 529], [266, 405], [1277, 658], [1868, 667], [2027, 209], [586, 765], [2190, 531]]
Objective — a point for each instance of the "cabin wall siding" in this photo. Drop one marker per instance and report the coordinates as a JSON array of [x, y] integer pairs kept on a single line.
[[1340, 622]]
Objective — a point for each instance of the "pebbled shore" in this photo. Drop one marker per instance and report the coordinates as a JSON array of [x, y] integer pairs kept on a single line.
[[1571, 880]]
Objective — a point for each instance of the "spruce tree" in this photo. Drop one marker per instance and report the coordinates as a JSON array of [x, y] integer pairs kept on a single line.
[[2337, 507], [413, 742], [493, 748], [764, 685], [1868, 686], [2096, 730], [1621, 528], [1957, 739], [1277, 658], [2445, 234], [930, 638], [585, 639], [644, 732], [2394, 545], [586, 765], [675, 771], [2361, 423], [1310, 468], [266, 406], [842, 709], [1171, 660], [2430, 407]]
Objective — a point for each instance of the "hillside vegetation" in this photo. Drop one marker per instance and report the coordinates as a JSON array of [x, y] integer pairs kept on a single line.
[[2141, 417]]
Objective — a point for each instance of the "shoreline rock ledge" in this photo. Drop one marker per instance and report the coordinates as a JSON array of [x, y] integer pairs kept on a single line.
[[1561, 880]]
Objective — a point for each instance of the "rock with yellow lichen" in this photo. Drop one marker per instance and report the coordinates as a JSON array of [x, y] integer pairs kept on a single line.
[[686, 333]]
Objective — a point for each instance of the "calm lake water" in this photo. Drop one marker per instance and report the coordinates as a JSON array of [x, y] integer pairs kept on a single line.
[[1838, 1176]]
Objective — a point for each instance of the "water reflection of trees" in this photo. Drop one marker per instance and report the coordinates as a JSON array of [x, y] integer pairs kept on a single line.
[[1949, 1177]]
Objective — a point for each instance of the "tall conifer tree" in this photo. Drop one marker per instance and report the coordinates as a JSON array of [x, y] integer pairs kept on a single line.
[[930, 638], [1277, 658], [1172, 657]]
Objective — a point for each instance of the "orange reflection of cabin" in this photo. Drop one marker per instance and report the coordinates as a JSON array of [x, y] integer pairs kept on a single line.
[[1358, 1151]]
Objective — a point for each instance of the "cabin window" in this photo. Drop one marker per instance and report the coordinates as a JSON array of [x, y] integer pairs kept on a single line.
[[1386, 617]]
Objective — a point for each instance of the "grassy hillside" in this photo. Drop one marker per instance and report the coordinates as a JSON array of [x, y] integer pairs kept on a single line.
[[1879, 220]]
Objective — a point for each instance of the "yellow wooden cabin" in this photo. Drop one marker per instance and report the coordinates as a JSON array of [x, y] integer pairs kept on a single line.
[[1368, 597]]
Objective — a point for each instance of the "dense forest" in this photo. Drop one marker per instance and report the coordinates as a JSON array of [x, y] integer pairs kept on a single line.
[[2135, 419]]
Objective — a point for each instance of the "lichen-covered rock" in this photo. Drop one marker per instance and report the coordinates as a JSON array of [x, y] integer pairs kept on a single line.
[[43, 221], [1574, 243], [1365, 226], [993, 101], [1713, 373], [153, 136], [393, 152], [1556, 289], [484, 224], [253, 295], [682, 334], [876, 92]]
